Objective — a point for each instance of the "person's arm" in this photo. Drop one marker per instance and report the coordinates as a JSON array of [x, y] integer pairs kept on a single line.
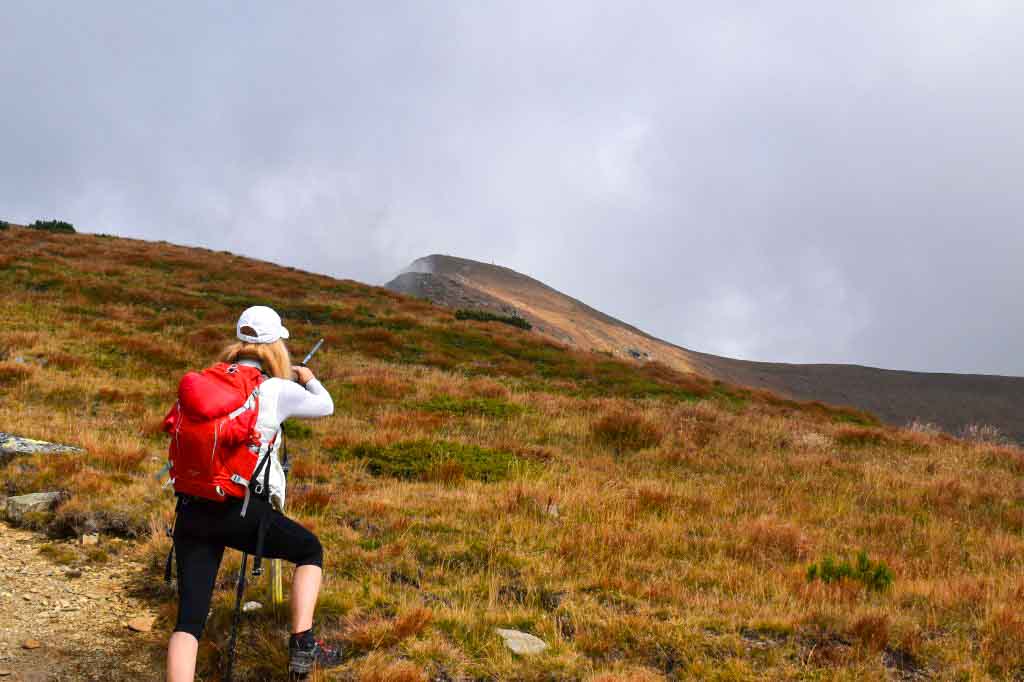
[[312, 400]]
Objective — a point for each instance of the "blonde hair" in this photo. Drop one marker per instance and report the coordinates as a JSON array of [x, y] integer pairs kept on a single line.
[[273, 357]]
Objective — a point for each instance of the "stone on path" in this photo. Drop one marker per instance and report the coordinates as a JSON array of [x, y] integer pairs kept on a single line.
[[522, 643], [20, 505], [142, 623], [251, 606], [31, 644], [91, 539], [11, 445]]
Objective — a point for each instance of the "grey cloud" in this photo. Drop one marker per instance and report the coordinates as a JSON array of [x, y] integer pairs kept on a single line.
[[789, 181]]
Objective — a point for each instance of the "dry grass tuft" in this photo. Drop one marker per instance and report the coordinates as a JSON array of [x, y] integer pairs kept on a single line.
[[12, 373], [872, 631], [861, 437], [768, 538], [628, 676], [310, 499], [380, 633], [378, 668], [446, 472], [121, 459], [655, 500], [381, 383], [624, 432], [982, 433], [488, 388], [1003, 642], [947, 494]]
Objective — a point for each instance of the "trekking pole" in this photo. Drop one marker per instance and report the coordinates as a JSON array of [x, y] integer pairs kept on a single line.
[[276, 580], [236, 620], [311, 353]]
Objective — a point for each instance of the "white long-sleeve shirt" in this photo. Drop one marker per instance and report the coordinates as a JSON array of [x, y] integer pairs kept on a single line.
[[281, 399]]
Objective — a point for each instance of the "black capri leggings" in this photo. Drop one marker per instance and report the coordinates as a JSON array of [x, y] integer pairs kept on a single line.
[[204, 528]]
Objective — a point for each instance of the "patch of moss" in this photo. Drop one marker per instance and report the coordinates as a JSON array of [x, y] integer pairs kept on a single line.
[[483, 407], [416, 459]]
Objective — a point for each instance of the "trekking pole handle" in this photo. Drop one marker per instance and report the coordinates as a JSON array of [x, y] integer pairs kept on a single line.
[[309, 357]]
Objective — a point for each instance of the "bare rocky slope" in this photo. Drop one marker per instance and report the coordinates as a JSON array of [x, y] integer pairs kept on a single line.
[[951, 401]]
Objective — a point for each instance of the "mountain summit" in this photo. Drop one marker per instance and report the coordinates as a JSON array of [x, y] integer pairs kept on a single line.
[[463, 283], [952, 401]]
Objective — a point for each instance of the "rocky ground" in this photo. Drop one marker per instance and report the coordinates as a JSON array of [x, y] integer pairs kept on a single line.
[[70, 621]]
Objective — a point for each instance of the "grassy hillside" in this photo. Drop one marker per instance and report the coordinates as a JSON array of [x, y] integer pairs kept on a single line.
[[647, 525], [958, 403]]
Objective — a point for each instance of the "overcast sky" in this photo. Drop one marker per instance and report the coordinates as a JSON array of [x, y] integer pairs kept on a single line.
[[792, 181]]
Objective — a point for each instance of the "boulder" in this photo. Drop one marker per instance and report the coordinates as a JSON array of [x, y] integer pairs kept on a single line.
[[20, 505], [522, 643], [11, 445]]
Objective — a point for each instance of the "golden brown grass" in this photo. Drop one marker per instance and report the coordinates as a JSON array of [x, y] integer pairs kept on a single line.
[[643, 531]]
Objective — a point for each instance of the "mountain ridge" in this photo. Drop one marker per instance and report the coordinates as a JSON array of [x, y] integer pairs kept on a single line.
[[951, 400]]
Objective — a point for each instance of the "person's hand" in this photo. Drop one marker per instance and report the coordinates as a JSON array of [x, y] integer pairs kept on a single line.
[[302, 374]]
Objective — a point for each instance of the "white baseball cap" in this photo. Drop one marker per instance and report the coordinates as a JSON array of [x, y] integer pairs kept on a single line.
[[264, 321]]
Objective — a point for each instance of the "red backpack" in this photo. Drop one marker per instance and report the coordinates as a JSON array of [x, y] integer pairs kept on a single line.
[[214, 442]]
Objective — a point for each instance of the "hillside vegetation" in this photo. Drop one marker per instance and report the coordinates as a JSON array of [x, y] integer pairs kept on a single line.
[[645, 524], [957, 403]]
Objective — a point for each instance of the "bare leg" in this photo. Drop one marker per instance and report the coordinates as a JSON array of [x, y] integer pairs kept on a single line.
[[305, 588], [181, 657]]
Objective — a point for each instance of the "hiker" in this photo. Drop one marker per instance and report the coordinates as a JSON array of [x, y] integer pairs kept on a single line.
[[204, 527]]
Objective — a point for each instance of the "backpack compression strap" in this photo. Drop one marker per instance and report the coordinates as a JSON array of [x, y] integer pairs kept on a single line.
[[262, 466]]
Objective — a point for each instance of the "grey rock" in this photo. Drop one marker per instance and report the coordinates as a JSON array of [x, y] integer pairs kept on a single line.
[[522, 643], [11, 445], [20, 505]]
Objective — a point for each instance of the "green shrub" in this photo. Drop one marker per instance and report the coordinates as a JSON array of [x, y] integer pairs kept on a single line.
[[874, 574], [53, 226], [484, 316], [59, 553], [483, 407], [296, 429], [4, 225], [422, 459]]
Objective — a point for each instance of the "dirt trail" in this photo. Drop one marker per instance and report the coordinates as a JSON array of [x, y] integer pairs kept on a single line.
[[77, 616]]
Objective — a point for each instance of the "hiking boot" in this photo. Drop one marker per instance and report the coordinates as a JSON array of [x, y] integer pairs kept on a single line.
[[306, 652]]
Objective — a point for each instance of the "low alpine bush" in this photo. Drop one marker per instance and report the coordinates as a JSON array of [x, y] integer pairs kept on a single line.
[[875, 575], [484, 316], [431, 460], [53, 226], [482, 407]]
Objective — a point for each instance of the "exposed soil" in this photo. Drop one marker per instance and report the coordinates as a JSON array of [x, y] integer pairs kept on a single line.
[[77, 615]]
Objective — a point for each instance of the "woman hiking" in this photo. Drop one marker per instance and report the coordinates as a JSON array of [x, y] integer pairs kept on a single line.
[[204, 527]]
